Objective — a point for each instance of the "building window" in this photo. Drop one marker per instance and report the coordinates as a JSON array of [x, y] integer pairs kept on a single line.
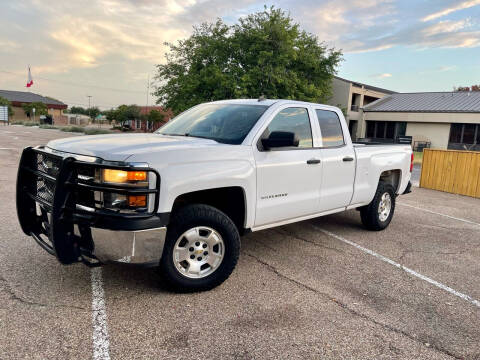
[[137, 124], [464, 137], [385, 129]]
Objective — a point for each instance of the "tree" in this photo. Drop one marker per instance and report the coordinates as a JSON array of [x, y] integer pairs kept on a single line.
[[93, 112], [78, 110], [40, 109], [266, 53], [125, 113], [5, 102], [110, 115], [155, 117]]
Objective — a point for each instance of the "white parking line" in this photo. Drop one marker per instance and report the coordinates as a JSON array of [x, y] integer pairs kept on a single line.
[[404, 268], [440, 214], [101, 343]]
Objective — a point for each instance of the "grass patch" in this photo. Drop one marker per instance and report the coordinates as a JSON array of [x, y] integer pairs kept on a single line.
[[417, 157], [95, 131], [46, 126], [76, 129]]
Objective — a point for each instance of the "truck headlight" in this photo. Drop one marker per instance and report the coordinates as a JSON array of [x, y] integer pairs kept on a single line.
[[122, 176], [130, 178]]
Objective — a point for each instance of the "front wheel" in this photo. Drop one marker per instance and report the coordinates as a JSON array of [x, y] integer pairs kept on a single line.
[[201, 249], [378, 214]]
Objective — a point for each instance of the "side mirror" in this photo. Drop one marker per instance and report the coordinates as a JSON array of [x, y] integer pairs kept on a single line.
[[280, 139]]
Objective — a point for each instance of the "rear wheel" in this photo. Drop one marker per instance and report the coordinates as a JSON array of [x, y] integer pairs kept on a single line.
[[201, 249], [378, 214]]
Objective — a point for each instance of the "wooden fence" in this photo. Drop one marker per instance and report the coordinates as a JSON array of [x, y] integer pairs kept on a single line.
[[452, 171]]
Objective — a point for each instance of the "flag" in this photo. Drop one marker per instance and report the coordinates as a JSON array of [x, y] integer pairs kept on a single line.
[[30, 80]]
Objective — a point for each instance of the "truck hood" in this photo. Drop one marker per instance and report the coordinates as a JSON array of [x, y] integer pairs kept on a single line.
[[119, 147]]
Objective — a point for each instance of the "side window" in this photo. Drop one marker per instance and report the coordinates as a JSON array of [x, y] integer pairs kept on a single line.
[[331, 128], [293, 120]]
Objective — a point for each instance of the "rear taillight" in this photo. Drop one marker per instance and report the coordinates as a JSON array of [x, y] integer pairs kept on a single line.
[[411, 163]]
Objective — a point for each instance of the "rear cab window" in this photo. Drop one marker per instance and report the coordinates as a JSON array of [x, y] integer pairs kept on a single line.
[[331, 128]]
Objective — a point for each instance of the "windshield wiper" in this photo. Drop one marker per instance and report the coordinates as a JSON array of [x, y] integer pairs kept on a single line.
[[190, 135]]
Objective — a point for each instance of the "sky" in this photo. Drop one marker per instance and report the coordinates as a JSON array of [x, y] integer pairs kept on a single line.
[[107, 49]]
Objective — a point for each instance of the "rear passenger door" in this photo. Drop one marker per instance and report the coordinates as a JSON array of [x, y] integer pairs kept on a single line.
[[338, 161]]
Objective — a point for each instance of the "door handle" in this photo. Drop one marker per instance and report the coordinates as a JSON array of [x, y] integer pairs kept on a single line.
[[313, 161], [348, 158]]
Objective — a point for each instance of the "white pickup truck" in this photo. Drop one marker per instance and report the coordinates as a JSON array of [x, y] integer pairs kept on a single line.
[[179, 198]]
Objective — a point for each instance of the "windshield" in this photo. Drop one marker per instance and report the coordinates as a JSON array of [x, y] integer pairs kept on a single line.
[[225, 123]]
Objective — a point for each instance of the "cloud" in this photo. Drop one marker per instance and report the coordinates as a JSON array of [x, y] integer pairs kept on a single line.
[[459, 6], [381, 76]]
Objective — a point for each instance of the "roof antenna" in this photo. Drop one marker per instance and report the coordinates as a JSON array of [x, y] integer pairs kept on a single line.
[[262, 98]]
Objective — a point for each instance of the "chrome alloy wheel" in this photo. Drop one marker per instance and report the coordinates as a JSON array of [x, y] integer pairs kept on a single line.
[[384, 207], [198, 252]]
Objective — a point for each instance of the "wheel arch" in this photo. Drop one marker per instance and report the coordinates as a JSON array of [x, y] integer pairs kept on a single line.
[[231, 200]]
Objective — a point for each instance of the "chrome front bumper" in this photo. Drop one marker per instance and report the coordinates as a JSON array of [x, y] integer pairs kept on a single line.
[[137, 247]]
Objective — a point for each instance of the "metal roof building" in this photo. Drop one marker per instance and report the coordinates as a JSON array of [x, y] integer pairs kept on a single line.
[[430, 102], [18, 98], [21, 97], [441, 119]]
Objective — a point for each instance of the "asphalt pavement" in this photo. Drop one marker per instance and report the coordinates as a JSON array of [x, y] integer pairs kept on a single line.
[[323, 288]]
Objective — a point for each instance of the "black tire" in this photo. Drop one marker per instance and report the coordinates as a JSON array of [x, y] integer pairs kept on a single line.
[[369, 214], [187, 218]]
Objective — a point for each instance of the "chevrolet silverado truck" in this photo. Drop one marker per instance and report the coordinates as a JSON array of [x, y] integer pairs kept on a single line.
[[181, 197]]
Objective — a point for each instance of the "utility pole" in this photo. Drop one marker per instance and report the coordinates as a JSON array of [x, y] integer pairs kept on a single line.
[[146, 107], [89, 110]]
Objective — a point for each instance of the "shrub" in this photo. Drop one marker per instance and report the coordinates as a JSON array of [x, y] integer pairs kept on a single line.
[[95, 131], [72, 129]]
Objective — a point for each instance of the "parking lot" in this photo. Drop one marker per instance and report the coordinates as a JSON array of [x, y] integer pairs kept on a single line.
[[323, 288]]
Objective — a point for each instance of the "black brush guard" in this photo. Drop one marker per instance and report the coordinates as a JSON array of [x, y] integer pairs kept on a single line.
[[48, 199]]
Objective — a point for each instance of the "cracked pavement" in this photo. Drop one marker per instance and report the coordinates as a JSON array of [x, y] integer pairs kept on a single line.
[[296, 293]]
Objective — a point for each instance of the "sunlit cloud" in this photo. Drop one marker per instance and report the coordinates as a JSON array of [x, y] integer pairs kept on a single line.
[[459, 6]]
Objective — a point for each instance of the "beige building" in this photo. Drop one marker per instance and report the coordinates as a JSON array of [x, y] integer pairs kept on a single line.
[[18, 98], [444, 120], [351, 97]]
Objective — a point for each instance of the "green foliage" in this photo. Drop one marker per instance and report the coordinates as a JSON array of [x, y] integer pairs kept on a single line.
[[266, 53], [5, 102], [93, 131], [155, 116], [126, 112], [72, 129], [93, 112], [40, 109], [77, 110], [46, 126]]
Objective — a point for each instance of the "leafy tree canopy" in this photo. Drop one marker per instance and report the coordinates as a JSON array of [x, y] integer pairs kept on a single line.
[[78, 110], [156, 116], [126, 112], [40, 109], [5, 102], [265, 53]]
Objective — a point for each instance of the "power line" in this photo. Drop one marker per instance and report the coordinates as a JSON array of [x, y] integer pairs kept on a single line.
[[77, 84]]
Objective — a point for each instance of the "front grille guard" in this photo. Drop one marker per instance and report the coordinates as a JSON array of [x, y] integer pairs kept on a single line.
[[47, 205]]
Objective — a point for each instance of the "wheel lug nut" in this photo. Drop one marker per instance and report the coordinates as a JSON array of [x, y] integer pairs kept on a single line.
[[197, 243], [204, 246], [205, 253], [192, 257], [199, 258], [191, 249]]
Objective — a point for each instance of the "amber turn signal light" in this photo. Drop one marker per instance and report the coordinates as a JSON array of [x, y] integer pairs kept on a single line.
[[137, 201]]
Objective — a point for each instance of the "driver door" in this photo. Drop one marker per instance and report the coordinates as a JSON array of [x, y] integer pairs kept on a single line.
[[288, 178]]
